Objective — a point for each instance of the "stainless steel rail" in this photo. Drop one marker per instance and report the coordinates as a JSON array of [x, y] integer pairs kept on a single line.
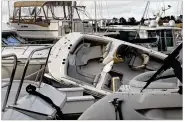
[[11, 78], [26, 67], [23, 45]]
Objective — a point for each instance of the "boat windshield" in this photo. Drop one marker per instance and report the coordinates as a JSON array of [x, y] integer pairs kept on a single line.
[[10, 41]]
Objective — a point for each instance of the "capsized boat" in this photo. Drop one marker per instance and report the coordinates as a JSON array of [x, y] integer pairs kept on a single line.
[[33, 100], [93, 61], [159, 96]]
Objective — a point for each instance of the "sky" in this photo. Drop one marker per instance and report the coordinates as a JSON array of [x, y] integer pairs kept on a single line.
[[110, 9]]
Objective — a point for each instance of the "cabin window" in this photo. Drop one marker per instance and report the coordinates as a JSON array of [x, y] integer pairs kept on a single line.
[[128, 35], [169, 38], [11, 41], [152, 34], [165, 38]]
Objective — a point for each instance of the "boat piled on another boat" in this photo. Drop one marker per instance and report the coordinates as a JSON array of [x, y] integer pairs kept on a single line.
[[12, 42], [39, 101], [151, 96], [94, 62]]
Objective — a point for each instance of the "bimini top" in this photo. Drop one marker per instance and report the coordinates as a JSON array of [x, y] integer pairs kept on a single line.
[[29, 3], [41, 3], [6, 27]]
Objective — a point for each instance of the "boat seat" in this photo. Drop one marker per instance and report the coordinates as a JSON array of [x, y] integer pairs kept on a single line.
[[76, 73], [32, 102], [86, 54], [169, 83], [135, 61], [85, 73], [75, 50]]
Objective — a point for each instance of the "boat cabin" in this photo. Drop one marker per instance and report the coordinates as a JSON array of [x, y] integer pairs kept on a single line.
[[162, 38], [10, 36], [47, 21]]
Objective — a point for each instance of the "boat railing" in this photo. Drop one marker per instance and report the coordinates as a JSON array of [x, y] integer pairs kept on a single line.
[[23, 45], [11, 78], [26, 67]]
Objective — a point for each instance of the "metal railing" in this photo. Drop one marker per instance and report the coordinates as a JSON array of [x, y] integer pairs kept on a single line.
[[26, 67], [11, 78]]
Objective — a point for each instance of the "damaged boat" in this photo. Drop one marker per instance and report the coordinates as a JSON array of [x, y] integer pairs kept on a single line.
[[12, 42], [155, 96], [35, 100], [94, 62]]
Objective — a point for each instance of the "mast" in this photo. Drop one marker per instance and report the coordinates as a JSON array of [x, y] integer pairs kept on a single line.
[[148, 2], [95, 17], [8, 11], [181, 11]]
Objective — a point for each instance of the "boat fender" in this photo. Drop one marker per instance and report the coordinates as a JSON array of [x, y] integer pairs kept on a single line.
[[117, 105], [145, 59], [32, 90]]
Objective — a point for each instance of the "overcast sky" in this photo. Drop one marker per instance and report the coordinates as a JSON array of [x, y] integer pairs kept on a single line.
[[110, 9]]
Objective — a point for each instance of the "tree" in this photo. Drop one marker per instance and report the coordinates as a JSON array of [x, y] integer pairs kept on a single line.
[[172, 18], [115, 20], [131, 21], [122, 21]]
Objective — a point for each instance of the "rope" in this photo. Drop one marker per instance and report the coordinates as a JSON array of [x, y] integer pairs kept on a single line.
[[33, 73]]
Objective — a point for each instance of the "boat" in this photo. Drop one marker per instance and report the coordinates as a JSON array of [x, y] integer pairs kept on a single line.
[[23, 52], [92, 61], [159, 96], [12, 42], [167, 38], [35, 100], [167, 35], [10, 36], [40, 21]]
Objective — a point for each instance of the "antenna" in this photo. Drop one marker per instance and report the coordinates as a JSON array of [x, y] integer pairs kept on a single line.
[[158, 16], [164, 7]]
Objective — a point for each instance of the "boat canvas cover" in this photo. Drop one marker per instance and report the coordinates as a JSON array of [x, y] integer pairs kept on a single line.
[[29, 3], [41, 3]]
